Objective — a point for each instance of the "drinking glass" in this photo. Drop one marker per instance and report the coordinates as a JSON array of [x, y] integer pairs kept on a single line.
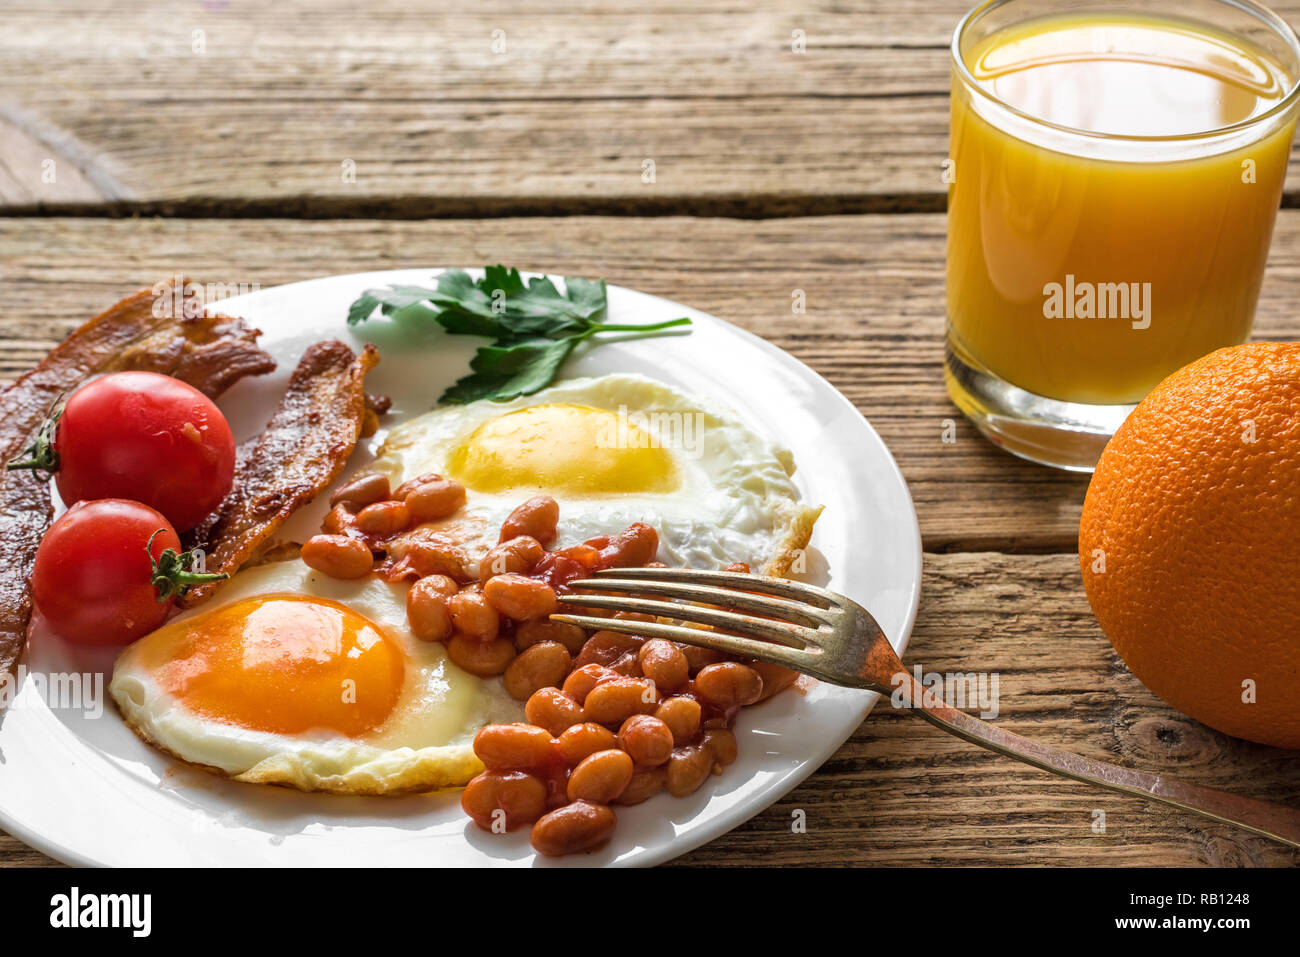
[[1084, 266]]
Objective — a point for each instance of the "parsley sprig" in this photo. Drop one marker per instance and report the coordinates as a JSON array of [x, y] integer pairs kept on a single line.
[[533, 326]]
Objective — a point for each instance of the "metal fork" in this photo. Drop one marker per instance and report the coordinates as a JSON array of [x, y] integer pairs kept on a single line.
[[823, 634]]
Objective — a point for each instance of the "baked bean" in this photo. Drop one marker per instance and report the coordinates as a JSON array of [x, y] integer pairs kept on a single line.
[[775, 678], [536, 518], [557, 786], [362, 491], [722, 743], [729, 684], [435, 557], [698, 657], [410, 485], [439, 585], [688, 768], [473, 616], [530, 633], [558, 570], [338, 556], [682, 715], [339, 520], [629, 665], [664, 664], [519, 598], [644, 785], [630, 548], [518, 555], [434, 499], [582, 679], [670, 702], [513, 747], [606, 647], [647, 740], [601, 777], [634, 616], [384, 518], [580, 826], [426, 608], [736, 567], [503, 800], [615, 700], [552, 709], [543, 665], [486, 659], [584, 555], [578, 741]]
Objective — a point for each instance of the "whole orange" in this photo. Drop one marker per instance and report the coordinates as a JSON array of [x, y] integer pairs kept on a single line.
[[1190, 541]]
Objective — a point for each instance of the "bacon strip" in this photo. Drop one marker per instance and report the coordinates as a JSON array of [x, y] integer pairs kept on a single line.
[[303, 450], [211, 353]]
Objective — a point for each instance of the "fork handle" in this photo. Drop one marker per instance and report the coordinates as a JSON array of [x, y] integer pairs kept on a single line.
[[1275, 821]]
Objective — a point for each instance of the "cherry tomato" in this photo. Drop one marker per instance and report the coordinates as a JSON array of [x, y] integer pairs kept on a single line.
[[145, 437], [103, 575]]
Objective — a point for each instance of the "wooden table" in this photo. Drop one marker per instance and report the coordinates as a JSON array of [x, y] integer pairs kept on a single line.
[[217, 139]]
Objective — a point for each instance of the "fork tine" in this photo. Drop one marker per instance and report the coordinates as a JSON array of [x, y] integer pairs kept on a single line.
[[779, 608], [796, 636], [745, 581], [794, 658]]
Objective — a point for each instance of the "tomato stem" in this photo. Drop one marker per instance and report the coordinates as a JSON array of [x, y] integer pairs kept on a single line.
[[173, 573], [42, 457]]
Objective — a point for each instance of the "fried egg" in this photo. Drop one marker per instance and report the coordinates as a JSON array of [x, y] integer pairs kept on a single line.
[[290, 677], [612, 450]]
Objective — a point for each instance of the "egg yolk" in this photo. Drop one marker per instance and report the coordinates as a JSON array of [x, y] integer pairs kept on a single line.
[[564, 448], [285, 664]]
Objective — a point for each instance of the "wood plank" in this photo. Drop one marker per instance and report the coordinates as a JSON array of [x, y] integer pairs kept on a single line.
[[873, 327], [260, 108], [36, 168], [902, 793]]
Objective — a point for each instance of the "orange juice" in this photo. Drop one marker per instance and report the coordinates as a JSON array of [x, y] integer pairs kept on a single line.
[[1113, 184]]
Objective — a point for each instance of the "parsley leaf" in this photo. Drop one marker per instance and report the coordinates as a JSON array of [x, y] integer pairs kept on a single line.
[[389, 301], [362, 308], [504, 372], [534, 326]]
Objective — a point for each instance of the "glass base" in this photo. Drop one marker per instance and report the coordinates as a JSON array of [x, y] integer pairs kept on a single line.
[[1065, 435]]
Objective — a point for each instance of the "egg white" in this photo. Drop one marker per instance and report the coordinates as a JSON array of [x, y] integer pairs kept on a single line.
[[735, 501], [425, 744]]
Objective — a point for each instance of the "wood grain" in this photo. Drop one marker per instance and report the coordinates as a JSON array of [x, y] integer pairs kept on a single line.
[[248, 108], [900, 792]]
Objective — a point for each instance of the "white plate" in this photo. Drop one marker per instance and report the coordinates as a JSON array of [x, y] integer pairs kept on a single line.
[[82, 788]]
